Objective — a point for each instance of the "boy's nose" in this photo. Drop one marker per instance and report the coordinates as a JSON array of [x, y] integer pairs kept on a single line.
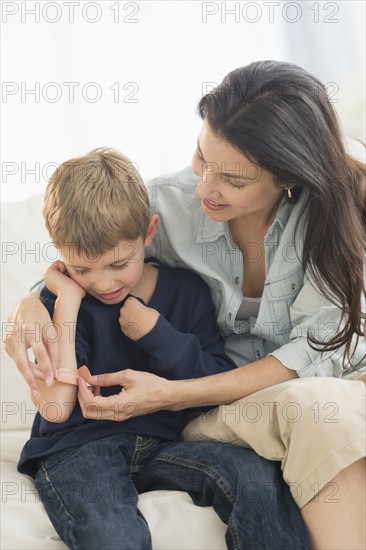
[[103, 284]]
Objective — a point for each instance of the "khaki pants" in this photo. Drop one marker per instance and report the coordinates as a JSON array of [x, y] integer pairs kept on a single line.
[[314, 426]]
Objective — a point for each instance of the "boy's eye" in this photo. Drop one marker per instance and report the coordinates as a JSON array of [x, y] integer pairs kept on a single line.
[[119, 266], [80, 271]]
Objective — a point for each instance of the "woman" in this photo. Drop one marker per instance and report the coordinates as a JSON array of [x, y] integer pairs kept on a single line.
[[275, 224]]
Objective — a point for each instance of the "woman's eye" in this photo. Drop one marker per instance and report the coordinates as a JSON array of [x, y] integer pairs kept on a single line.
[[198, 155], [236, 185], [232, 182], [80, 271], [121, 266]]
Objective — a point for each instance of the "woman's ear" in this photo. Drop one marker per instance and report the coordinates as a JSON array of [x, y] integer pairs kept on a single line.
[[151, 230]]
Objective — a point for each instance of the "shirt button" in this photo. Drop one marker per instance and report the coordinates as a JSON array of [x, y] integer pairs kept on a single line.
[[293, 287], [237, 280], [229, 316], [257, 354]]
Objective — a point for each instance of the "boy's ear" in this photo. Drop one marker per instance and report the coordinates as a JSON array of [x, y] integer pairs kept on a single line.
[[151, 230]]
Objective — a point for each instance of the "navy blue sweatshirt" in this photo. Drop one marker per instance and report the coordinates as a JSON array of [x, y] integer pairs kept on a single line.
[[185, 343]]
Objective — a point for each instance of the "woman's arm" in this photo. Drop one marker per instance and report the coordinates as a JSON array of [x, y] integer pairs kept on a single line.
[[229, 386], [145, 393], [31, 327]]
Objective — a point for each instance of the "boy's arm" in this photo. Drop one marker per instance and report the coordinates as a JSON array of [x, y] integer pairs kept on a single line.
[[57, 401], [174, 354], [177, 355]]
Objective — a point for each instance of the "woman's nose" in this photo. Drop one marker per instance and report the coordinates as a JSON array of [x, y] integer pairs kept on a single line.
[[207, 188]]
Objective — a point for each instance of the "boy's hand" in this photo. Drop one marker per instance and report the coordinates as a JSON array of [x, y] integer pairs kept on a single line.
[[58, 281], [136, 320]]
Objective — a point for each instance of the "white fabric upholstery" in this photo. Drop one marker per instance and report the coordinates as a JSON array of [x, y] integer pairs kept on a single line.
[[174, 521]]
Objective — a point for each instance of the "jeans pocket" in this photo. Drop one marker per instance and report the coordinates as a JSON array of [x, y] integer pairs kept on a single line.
[[145, 443]]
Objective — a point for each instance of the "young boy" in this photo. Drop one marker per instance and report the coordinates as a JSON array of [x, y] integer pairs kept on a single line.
[[97, 213]]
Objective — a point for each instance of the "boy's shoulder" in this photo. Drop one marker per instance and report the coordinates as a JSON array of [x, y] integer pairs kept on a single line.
[[181, 278]]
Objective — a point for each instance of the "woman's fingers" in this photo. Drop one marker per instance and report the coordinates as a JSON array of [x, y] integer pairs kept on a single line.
[[24, 367], [33, 328], [142, 393], [96, 407], [110, 379]]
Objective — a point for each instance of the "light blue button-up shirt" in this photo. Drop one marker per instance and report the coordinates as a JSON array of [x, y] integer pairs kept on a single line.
[[290, 305]]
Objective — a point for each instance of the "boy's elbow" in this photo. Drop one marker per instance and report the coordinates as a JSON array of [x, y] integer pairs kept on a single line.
[[54, 412], [58, 419]]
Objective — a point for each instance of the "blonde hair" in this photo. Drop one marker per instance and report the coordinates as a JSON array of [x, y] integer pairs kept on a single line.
[[95, 201]]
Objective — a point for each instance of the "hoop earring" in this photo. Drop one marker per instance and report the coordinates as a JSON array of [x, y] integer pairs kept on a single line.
[[289, 194]]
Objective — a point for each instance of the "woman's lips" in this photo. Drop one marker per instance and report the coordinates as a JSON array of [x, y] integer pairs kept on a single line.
[[214, 205], [111, 295]]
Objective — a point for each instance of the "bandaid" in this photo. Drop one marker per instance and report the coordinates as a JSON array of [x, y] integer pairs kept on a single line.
[[68, 376]]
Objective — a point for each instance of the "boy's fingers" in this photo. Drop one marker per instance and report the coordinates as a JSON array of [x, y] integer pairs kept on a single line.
[[61, 266], [130, 329]]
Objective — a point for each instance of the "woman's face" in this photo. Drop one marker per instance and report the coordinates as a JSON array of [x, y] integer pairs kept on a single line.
[[231, 186]]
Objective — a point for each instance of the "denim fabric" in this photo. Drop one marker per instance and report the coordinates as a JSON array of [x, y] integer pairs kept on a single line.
[[90, 492], [290, 306], [89, 495]]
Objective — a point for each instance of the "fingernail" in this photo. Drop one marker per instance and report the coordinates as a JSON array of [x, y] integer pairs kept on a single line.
[[36, 394], [94, 379], [48, 381]]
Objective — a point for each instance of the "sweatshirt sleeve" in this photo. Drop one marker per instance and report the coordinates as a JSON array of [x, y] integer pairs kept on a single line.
[[193, 350]]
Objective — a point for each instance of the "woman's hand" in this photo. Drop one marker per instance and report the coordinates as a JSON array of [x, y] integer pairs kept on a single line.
[[58, 281], [141, 393], [31, 327]]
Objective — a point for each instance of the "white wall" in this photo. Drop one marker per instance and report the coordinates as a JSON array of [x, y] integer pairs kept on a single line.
[[164, 54]]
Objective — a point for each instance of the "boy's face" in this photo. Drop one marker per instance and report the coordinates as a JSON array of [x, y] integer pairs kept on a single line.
[[109, 277]]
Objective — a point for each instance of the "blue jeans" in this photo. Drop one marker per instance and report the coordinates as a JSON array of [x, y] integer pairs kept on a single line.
[[90, 492]]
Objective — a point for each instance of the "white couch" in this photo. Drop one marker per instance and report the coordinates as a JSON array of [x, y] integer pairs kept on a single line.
[[175, 522]]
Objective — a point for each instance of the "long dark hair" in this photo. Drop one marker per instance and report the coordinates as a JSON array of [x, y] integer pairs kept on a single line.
[[279, 117]]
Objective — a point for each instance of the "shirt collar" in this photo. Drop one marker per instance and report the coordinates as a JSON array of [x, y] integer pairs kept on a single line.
[[210, 230], [282, 215], [285, 209]]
